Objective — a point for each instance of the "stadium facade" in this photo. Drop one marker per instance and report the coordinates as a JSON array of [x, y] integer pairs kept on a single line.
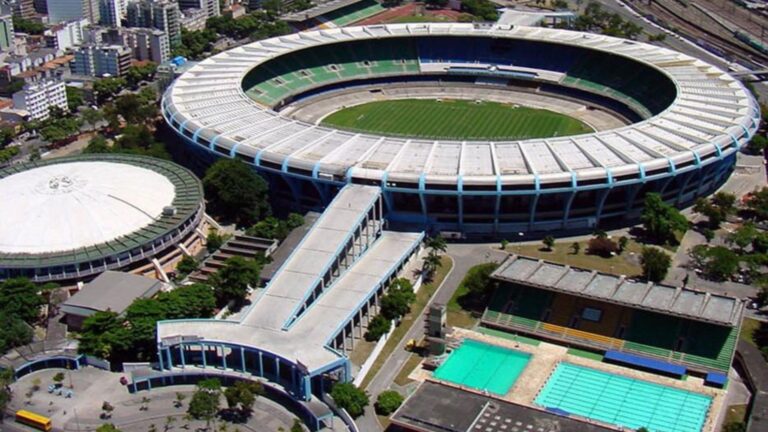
[[69, 219], [687, 121]]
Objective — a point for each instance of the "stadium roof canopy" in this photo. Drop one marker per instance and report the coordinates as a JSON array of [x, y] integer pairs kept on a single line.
[[71, 210], [712, 114], [683, 302]]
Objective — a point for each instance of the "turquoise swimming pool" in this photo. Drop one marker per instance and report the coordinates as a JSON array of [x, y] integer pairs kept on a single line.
[[623, 401], [484, 367]]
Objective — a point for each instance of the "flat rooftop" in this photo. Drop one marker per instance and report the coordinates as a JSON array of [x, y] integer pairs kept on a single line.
[[683, 302], [437, 407], [111, 290], [272, 323]]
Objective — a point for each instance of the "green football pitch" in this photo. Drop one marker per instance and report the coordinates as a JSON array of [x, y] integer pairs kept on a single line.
[[454, 119]]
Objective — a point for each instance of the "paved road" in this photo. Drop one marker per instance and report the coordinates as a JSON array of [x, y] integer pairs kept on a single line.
[[464, 256]]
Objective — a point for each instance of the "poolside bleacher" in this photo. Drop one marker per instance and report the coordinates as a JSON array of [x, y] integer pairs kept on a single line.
[[353, 13], [528, 306]]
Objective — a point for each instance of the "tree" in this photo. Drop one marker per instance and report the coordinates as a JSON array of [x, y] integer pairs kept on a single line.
[[623, 242], [721, 263], [430, 264], [186, 265], [214, 241], [74, 98], [655, 264], [102, 335], [274, 228], [716, 209], [757, 204], [504, 244], [92, 116], [107, 88], [135, 74], [743, 236], [204, 404], [21, 298], [398, 300], [235, 192], [98, 144], [708, 234], [107, 427], [436, 244], [233, 281], [6, 378], [575, 247], [758, 144], [350, 398], [478, 279], [388, 402], [33, 27], [58, 378], [378, 327], [661, 220], [242, 396], [549, 242], [13, 332]]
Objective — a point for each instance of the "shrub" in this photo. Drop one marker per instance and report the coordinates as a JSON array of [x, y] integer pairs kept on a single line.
[[378, 327], [602, 246], [350, 398], [388, 402]]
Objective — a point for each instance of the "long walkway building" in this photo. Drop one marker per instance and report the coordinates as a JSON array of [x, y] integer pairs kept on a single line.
[[298, 330]]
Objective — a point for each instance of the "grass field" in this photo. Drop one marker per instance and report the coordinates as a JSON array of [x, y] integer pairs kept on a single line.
[[454, 119]]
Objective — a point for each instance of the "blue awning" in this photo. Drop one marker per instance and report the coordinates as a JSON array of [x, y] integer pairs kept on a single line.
[[716, 378], [645, 363]]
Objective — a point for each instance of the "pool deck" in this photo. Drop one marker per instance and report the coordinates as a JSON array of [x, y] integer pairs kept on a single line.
[[545, 358]]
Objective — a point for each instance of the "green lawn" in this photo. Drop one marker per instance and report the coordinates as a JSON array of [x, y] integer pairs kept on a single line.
[[454, 119], [623, 264]]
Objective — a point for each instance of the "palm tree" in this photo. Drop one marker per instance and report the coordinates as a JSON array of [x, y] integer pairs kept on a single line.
[[431, 263], [436, 244]]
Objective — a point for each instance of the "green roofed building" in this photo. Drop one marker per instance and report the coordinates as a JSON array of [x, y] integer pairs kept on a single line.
[[73, 218]]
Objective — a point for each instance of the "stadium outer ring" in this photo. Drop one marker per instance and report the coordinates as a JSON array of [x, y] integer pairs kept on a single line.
[[148, 242], [207, 106]]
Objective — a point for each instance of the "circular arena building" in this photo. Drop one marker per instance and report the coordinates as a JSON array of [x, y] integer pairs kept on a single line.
[[677, 123], [72, 218]]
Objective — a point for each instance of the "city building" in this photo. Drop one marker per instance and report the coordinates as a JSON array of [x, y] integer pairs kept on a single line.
[[70, 10], [127, 213], [65, 35], [211, 7], [24, 9], [160, 14], [6, 32], [111, 13], [101, 60], [40, 6], [148, 44], [111, 291], [193, 19], [479, 188], [37, 99]]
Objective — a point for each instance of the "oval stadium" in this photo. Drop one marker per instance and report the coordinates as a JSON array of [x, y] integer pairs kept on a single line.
[[71, 218], [657, 121]]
